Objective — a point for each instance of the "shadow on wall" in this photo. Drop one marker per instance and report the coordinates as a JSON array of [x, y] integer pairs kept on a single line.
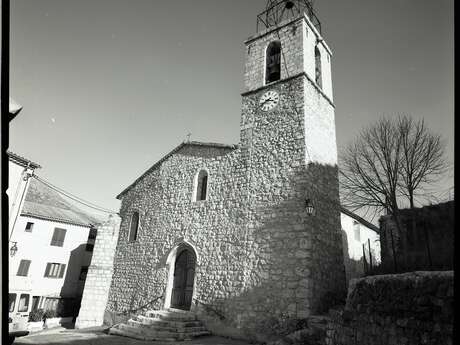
[[290, 266], [72, 289]]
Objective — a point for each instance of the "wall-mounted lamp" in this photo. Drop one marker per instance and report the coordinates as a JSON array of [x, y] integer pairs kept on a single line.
[[13, 249], [309, 207]]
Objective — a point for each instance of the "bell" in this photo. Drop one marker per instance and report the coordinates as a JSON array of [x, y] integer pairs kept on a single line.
[[289, 4]]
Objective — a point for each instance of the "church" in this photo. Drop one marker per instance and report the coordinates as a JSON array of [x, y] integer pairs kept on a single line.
[[243, 234]]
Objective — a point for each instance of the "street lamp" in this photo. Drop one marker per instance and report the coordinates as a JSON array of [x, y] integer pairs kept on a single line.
[[13, 249], [310, 207]]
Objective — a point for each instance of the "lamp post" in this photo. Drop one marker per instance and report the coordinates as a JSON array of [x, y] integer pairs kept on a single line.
[[13, 249]]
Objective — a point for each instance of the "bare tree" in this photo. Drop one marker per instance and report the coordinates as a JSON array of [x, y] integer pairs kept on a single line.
[[369, 169], [388, 163], [422, 157]]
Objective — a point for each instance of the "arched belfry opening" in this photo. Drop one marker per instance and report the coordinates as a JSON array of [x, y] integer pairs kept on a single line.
[[318, 71], [273, 62], [180, 289]]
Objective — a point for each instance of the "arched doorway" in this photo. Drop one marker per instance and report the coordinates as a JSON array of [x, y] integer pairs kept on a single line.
[[184, 277]]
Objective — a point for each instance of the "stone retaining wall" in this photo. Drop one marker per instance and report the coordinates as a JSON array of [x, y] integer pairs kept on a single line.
[[406, 309]]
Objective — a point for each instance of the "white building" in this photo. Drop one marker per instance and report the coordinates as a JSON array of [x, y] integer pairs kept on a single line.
[[54, 241], [358, 236]]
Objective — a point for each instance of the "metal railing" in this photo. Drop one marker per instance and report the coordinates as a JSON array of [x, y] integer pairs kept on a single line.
[[282, 10]]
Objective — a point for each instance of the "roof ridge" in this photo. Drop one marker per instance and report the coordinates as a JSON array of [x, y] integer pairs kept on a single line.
[[173, 151]]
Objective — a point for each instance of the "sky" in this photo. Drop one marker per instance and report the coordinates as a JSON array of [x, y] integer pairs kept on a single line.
[[110, 86]]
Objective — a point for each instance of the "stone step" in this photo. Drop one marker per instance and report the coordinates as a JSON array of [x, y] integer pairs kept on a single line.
[[171, 316], [136, 334], [148, 334], [169, 327], [164, 323]]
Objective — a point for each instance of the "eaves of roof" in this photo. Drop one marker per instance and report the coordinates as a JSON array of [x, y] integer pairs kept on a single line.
[[44, 202], [175, 150], [22, 161], [360, 219], [57, 220]]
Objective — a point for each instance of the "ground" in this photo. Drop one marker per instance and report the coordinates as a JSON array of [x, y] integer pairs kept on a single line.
[[96, 336]]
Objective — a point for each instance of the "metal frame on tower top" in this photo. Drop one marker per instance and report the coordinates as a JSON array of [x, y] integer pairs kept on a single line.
[[279, 10]]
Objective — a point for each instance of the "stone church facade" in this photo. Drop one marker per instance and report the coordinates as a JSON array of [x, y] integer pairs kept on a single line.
[[224, 230]]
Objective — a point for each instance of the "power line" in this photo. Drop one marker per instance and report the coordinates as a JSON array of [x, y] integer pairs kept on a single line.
[[73, 197]]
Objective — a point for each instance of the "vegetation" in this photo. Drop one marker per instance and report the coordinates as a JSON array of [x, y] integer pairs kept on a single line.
[[391, 163]]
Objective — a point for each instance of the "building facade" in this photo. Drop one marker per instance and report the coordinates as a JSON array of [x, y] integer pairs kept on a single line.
[[227, 229], [54, 242], [361, 244]]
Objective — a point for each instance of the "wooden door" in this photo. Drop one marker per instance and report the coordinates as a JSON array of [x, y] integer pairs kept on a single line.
[[184, 276]]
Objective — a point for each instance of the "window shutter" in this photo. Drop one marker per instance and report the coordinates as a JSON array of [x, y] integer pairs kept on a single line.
[[23, 269], [58, 237], [61, 236], [61, 273], [47, 270]]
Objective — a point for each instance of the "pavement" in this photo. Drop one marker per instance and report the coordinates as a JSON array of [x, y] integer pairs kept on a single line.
[[97, 336]]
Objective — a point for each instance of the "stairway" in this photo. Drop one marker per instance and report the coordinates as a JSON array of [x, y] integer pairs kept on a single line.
[[164, 325]]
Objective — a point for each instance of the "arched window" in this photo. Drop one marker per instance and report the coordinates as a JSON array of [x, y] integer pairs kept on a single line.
[[202, 185], [134, 226], [273, 62], [318, 74]]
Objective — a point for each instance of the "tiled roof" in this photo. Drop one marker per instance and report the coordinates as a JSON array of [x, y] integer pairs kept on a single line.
[[44, 202], [177, 149], [21, 160], [359, 219]]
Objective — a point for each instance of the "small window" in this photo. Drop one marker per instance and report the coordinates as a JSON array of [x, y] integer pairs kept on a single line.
[[54, 270], [29, 227], [318, 72], [83, 272], [11, 301], [357, 231], [58, 237], [134, 227], [51, 303], [24, 302], [202, 186], [35, 302], [92, 234], [273, 62], [23, 269]]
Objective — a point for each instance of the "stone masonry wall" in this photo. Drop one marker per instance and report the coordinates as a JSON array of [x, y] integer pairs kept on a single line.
[[406, 309], [426, 241], [99, 275]]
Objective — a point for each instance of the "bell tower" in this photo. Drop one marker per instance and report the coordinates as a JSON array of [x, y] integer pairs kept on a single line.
[[288, 142], [288, 52]]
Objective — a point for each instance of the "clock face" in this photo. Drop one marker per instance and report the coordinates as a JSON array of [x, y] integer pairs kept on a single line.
[[269, 100]]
